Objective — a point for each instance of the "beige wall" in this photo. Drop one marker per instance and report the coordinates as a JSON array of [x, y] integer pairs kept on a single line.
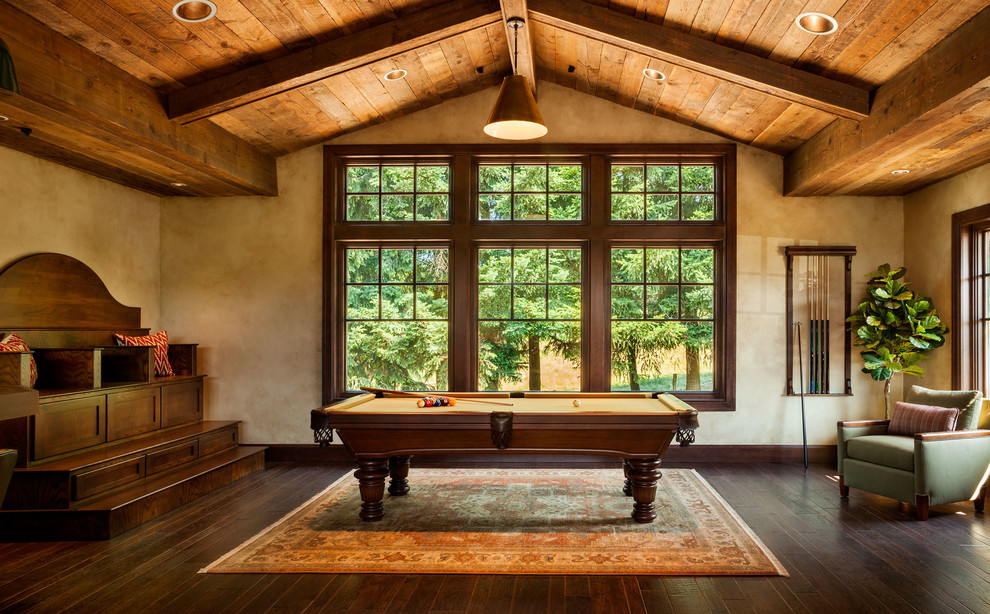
[[114, 230], [241, 276], [928, 243]]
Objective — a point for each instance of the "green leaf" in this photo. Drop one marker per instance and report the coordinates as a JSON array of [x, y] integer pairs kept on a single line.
[[913, 370], [918, 343], [903, 296], [897, 273], [873, 320], [881, 293]]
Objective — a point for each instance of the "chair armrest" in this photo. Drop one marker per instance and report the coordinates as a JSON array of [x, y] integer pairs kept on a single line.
[[851, 430], [952, 435], [855, 423], [952, 465]]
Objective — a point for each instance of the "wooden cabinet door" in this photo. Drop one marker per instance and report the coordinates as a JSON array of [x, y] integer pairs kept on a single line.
[[215, 442], [132, 413], [66, 426], [99, 480], [182, 403], [172, 456]]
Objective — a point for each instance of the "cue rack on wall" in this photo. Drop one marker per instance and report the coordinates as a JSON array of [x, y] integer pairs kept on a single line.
[[819, 297]]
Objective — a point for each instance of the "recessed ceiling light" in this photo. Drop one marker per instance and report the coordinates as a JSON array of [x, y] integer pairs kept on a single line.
[[656, 75], [194, 11], [900, 171], [177, 184], [816, 23], [395, 75]]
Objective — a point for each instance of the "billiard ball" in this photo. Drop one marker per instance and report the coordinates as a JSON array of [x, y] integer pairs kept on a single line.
[[576, 402]]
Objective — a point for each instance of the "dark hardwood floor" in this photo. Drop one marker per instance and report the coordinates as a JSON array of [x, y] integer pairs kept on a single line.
[[861, 555]]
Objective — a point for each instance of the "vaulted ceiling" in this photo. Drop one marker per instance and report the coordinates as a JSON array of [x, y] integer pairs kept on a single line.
[[124, 90]]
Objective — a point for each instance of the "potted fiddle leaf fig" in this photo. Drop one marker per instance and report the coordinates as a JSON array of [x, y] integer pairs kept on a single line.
[[896, 327]]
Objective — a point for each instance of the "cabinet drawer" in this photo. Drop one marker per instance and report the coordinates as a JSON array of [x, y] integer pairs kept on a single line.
[[133, 413], [214, 442], [105, 478], [182, 403], [66, 426], [172, 456]]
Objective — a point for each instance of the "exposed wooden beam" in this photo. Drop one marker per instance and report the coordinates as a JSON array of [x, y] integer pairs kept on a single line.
[[84, 112], [524, 65], [938, 98], [327, 59], [669, 45]]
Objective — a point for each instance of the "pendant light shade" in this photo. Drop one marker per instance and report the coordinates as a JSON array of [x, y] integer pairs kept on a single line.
[[515, 116], [8, 78]]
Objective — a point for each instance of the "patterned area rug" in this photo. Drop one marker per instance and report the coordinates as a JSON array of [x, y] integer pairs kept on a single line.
[[510, 521]]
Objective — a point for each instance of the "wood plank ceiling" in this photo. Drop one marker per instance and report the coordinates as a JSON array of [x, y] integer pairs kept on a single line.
[[280, 75]]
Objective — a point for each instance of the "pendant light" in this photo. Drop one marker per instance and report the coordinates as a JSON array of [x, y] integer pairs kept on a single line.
[[8, 79], [515, 116]]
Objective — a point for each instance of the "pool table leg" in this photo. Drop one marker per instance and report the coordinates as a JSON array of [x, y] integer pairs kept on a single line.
[[627, 487], [371, 474], [643, 475], [398, 468]]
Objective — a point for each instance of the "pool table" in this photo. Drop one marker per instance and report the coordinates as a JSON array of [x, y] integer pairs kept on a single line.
[[384, 433]]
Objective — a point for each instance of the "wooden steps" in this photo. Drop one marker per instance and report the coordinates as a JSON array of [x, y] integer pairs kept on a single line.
[[110, 516], [102, 492]]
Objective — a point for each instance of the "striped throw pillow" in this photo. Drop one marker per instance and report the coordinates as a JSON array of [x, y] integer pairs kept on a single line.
[[14, 343], [160, 341], [908, 419]]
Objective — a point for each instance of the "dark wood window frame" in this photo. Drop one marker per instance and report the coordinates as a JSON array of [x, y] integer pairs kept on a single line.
[[969, 308], [463, 233]]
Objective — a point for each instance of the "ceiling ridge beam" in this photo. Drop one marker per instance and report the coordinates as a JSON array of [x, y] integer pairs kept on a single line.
[[524, 65], [323, 60], [948, 80], [704, 56]]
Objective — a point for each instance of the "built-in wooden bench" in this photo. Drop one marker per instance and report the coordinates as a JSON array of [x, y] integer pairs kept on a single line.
[[108, 445]]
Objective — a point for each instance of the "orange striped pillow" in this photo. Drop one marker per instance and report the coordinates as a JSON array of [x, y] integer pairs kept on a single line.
[[14, 343], [159, 340], [908, 419]]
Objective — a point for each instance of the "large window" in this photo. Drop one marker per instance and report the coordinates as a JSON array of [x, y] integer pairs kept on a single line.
[[529, 318], [396, 318], [663, 192], [529, 192], [522, 267], [663, 316], [398, 192], [970, 300]]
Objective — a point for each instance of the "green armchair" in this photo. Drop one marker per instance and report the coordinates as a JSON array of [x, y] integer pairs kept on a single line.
[[924, 469]]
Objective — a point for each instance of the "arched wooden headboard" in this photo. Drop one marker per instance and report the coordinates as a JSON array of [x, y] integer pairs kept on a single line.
[[55, 291]]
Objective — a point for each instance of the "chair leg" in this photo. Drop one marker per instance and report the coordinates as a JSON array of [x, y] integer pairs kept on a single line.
[[981, 498], [843, 489], [921, 506]]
